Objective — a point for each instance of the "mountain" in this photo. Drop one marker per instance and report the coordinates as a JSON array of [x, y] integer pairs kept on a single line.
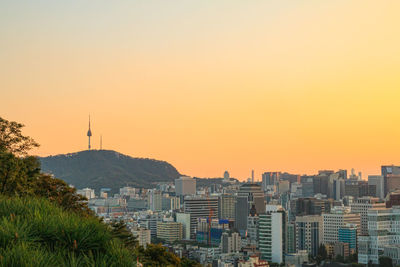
[[108, 169]]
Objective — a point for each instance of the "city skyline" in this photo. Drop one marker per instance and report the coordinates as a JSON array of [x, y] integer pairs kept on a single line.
[[206, 86]]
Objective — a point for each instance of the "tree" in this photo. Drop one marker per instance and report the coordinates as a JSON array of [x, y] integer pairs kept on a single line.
[[17, 174], [185, 262], [119, 230], [156, 255], [58, 191], [322, 252], [12, 140], [339, 258], [385, 262]]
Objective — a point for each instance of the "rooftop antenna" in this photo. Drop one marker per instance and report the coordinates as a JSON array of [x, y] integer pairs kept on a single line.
[[101, 142]]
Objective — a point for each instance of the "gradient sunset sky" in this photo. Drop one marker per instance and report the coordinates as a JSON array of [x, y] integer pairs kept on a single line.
[[208, 86]]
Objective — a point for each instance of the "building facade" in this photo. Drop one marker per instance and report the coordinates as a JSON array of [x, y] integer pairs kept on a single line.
[[185, 186], [309, 232]]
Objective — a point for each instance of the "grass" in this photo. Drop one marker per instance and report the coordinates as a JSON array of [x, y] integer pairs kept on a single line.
[[35, 232]]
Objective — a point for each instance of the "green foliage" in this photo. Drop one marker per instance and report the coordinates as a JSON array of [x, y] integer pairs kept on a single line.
[[61, 193], [22, 177], [157, 255], [185, 262], [385, 262], [12, 140], [105, 168], [35, 232], [120, 231], [322, 253], [339, 258]]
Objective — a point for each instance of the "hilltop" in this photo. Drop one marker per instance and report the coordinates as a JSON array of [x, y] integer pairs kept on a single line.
[[108, 169]]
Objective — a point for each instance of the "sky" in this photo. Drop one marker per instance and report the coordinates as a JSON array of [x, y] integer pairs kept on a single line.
[[206, 85]]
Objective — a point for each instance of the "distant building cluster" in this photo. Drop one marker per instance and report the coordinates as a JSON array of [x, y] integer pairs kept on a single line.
[[281, 219]]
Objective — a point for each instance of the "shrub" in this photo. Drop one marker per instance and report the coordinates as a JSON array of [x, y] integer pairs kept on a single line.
[[36, 232]]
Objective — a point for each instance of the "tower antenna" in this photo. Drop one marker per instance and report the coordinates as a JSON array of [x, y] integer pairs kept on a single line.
[[89, 133], [101, 142]]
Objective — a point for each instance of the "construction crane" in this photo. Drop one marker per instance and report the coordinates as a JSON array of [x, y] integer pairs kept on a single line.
[[210, 215]]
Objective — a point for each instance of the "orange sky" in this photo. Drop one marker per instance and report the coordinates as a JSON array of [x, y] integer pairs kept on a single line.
[[208, 86]]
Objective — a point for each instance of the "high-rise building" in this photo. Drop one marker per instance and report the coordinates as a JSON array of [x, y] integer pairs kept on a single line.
[[155, 200], [248, 195], [230, 242], [185, 186], [335, 220], [170, 202], [383, 231], [143, 236], [169, 231], [379, 183], [387, 171], [270, 178], [200, 207], [291, 238], [86, 192], [348, 234], [210, 232], [393, 199], [253, 227], [272, 235], [361, 206], [184, 219], [310, 206], [359, 188], [393, 183], [309, 232], [128, 191], [227, 206], [308, 186]]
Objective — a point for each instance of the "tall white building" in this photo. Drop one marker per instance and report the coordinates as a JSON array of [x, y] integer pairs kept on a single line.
[[185, 185], [379, 182], [383, 231], [336, 219], [361, 206], [271, 233], [86, 192]]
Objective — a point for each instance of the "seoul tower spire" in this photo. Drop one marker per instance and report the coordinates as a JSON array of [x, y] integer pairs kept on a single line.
[[89, 133]]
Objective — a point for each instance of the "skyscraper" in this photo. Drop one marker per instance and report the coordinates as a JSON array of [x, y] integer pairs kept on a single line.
[[361, 206], [388, 171], [336, 219], [248, 195], [378, 181], [272, 226], [309, 231], [200, 207]]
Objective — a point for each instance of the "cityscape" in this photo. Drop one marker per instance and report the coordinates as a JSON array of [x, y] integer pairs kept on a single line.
[[279, 218], [228, 133]]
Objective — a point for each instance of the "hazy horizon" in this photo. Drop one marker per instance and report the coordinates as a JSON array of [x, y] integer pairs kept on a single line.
[[208, 86]]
